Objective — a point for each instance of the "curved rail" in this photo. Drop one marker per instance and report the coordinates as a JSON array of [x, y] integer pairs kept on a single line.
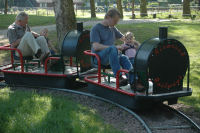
[[143, 123], [146, 127], [184, 116], [108, 101]]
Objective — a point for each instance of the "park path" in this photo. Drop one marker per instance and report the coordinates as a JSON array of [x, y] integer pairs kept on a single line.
[[3, 33]]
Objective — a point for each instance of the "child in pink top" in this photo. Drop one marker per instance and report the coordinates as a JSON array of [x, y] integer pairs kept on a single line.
[[130, 46]]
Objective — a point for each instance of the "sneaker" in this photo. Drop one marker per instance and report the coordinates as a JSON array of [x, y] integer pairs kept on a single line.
[[122, 81], [38, 54]]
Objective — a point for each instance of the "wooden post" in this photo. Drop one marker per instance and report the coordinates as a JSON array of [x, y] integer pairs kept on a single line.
[[6, 7]]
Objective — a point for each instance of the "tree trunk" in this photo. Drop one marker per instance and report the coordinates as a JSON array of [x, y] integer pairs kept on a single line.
[[186, 8], [92, 8], [199, 4], [65, 17], [6, 7], [143, 8], [119, 7], [133, 9]]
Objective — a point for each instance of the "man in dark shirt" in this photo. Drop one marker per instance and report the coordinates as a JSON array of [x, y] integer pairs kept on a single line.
[[28, 42], [102, 38]]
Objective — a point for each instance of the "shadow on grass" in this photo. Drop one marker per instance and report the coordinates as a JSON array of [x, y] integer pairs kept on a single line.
[[28, 111], [4, 57]]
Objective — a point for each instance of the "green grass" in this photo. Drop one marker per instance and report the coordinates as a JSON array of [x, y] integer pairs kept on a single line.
[[42, 19], [28, 111], [34, 20]]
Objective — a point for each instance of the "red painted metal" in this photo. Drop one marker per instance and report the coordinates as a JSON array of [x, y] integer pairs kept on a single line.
[[6, 70], [88, 52], [88, 79], [31, 73], [70, 59], [7, 48], [12, 58], [117, 76], [46, 61]]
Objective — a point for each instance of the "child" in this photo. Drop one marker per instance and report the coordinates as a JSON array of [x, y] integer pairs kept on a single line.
[[130, 46], [44, 33]]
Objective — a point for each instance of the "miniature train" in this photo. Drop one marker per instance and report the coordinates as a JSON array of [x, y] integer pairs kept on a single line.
[[160, 63]]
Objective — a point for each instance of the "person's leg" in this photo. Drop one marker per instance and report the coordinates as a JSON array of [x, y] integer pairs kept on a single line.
[[28, 45], [109, 56], [138, 85], [126, 64], [132, 61], [43, 45]]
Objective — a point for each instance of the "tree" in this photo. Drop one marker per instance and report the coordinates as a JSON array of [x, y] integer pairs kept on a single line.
[[92, 8], [186, 8], [119, 7], [6, 7], [133, 9], [199, 4], [65, 17], [143, 8]]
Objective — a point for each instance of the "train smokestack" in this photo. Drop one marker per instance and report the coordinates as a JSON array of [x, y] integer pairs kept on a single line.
[[163, 31], [80, 26]]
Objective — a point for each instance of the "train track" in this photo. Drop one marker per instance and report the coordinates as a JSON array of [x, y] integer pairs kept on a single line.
[[163, 118], [146, 121]]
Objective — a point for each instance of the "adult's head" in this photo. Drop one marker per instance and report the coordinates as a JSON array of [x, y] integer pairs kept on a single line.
[[22, 19], [112, 17]]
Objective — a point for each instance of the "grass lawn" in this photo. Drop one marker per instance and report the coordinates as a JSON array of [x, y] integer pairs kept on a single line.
[[34, 20], [83, 16], [28, 111]]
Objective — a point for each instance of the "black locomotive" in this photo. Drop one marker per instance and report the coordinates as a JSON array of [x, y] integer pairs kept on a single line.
[[160, 63]]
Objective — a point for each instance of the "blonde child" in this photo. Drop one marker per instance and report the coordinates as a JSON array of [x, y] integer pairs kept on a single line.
[[44, 33], [130, 46]]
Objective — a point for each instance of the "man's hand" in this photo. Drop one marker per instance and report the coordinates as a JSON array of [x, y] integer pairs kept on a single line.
[[123, 39], [35, 34], [119, 47]]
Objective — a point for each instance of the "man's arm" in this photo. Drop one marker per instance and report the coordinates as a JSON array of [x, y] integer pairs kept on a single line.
[[122, 39], [97, 46], [12, 37], [119, 35], [33, 33], [15, 43]]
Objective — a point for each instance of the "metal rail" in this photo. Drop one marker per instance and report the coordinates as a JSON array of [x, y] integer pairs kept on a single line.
[[184, 116], [148, 130], [146, 127], [143, 123]]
